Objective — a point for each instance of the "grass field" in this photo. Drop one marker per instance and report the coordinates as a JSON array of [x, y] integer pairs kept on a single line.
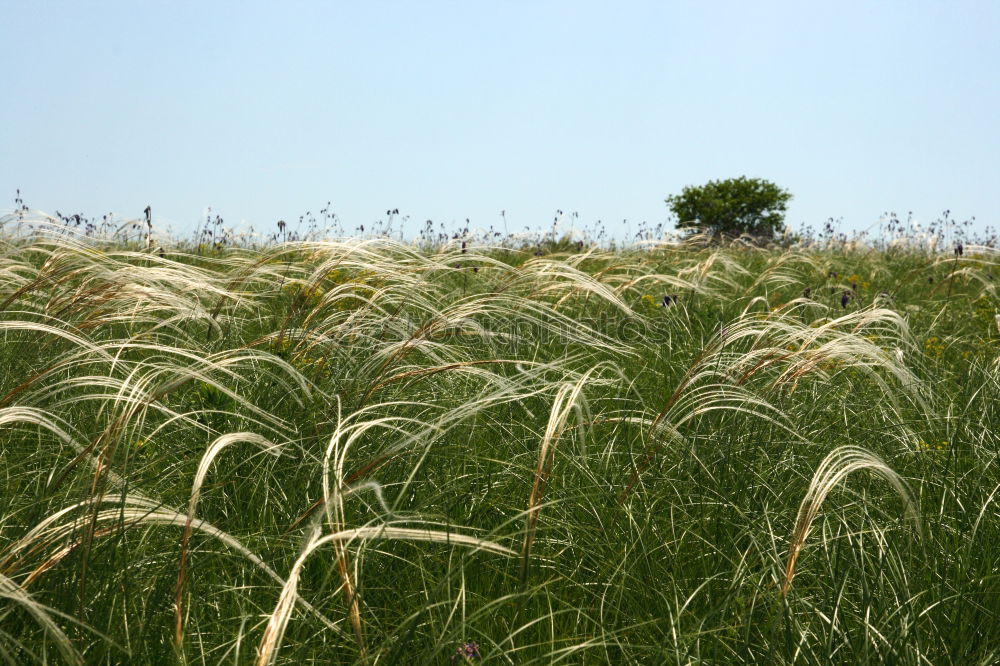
[[366, 452]]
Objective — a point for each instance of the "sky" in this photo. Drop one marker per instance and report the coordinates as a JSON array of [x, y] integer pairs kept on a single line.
[[450, 111]]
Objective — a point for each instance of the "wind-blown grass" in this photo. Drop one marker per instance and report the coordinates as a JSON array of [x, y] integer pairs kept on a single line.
[[362, 451]]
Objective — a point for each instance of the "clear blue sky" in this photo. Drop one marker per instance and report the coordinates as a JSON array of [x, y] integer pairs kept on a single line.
[[454, 110]]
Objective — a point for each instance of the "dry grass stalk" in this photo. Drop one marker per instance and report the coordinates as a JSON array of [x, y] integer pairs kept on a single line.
[[831, 471], [206, 462], [278, 622], [565, 401]]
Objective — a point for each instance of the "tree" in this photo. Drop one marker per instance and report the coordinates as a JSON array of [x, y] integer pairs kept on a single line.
[[732, 207]]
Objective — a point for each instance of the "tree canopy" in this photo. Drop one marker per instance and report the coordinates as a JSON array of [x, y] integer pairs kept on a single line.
[[733, 206]]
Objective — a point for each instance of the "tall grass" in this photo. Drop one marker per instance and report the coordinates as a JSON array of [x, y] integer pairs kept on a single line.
[[364, 451]]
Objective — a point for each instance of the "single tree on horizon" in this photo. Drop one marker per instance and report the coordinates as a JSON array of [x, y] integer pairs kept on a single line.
[[732, 207]]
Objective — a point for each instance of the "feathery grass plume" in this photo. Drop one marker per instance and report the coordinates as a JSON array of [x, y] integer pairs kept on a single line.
[[56, 536], [780, 339], [831, 471], [719, 270], [42, 615], [862, 340], [530, 380], [663, 280], [553, 277], [432, 339], [53, 424], [199, 478], [278, 621], [346, 432], [333, 504], [786, 270], [689, 401], [568, 398], [45, 329], [337, 484]]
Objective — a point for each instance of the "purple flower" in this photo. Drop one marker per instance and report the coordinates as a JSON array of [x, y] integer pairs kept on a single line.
[[466, 653], [844, 298]]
